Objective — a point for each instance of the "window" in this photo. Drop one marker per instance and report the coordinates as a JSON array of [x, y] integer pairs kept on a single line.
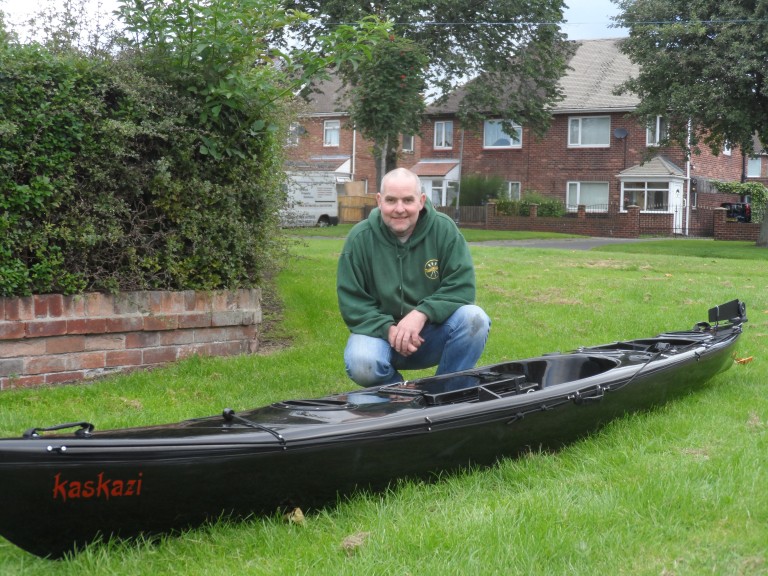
[[593, 195], [656, 132], [754, 167], [444, 192], [589, 131], [331, 132], [494, 135], [294, 132], [727, 148], [649, 196], [513, 191], [444, 134], [408, 141]]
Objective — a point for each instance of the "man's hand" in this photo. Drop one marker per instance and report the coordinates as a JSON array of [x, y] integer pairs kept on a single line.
[[404, 336]]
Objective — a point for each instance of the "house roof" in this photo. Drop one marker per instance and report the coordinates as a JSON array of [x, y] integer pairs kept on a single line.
[[656, 167], [324, 96], [596, 68], [758, 145], [318, 164], [427, 168]]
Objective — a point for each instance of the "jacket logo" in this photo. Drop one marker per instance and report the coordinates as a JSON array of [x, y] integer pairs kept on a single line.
[[99, 487], [431, 269]]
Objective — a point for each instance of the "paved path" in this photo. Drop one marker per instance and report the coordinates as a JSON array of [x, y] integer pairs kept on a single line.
[[562, 243]]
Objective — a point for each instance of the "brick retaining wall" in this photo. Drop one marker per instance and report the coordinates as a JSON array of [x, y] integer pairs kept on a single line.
[[51, 339]]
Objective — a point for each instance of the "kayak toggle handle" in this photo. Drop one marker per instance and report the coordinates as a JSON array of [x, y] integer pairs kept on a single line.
[[85, 429], [579, 398]]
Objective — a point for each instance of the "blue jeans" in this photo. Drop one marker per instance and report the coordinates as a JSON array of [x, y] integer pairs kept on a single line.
[[454, 345]]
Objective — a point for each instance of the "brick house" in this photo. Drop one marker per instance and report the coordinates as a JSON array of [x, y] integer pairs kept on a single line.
[[323, 139], [594, 154]]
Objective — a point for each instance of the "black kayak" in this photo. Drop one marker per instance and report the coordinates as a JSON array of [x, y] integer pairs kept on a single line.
[[64, 486]]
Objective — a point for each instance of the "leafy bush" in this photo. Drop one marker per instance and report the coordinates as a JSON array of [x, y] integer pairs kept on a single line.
[[105, 187], [547, 206], [477, 190], [158, 164]]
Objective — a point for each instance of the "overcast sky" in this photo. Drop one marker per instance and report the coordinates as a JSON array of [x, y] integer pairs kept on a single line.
[[590, 19], [586, 19]]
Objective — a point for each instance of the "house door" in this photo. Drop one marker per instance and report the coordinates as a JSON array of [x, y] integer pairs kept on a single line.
[[676, 206]]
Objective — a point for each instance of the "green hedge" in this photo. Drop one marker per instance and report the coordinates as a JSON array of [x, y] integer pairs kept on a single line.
[[547, 206], [103, 185], [476, 190]]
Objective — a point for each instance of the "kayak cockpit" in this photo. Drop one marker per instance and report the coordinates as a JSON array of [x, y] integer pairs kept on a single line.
[[666, 343], [502, 380]]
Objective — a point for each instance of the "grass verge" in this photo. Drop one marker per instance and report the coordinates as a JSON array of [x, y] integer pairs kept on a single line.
[[675, 491]]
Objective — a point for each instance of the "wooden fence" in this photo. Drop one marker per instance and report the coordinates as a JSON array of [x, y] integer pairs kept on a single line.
[[355, 208]]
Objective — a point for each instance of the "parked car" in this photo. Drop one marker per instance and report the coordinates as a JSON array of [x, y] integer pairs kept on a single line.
[[739, 211]]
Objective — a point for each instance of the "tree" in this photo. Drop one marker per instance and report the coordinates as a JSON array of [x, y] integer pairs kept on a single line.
[[159, 164], [386, 96], [5, 35], [220, 52], [516, 45], [703, 67]]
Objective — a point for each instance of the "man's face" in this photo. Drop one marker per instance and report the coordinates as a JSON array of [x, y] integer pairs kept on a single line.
[[400, 204]]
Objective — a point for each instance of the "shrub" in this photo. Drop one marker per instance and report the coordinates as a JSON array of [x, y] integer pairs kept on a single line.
[[158, 165], [104, 186], [477, 190], [547, 207]]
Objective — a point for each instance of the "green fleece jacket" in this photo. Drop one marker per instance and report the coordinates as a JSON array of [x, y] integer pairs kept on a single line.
[[381, 279]]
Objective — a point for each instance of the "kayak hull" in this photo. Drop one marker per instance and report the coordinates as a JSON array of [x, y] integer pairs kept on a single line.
[[61, 491]]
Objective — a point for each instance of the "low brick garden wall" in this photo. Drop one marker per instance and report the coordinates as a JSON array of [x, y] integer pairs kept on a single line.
[[614, 224], [52, 339], [726, 230]]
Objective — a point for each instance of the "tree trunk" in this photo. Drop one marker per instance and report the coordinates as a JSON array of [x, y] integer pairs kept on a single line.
[[392, 158], [762, 239], [383, 160]]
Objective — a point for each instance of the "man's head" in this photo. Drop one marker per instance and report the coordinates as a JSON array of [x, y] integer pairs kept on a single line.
[[400, 201]]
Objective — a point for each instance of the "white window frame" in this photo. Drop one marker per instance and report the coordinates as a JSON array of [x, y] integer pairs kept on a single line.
[[755, 167], [443, 134], [294, 133], [649, 187], [515, 141], [409, 143], [514, 190], [331, 133], [576, 132], [442, 191], [656, 132], [726, 148], [573, 195]]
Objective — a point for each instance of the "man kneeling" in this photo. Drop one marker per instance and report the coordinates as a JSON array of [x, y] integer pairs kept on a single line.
[[406, 289]]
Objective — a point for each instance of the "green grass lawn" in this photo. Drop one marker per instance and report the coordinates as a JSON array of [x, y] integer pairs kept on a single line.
[[471, 234], [677, 491]]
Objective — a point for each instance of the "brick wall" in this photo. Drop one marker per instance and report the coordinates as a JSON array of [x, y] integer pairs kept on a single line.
[[547, 164], [544, 164], [613, 224], [351, 146], [725, 230], [51, 339], [727, 167]]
